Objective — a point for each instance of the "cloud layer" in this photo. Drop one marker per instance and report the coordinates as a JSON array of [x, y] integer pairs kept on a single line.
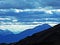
[[23, 22]]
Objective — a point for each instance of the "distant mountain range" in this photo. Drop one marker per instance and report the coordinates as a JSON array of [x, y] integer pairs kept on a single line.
[[5, 32], [10, 38], [50, 36]]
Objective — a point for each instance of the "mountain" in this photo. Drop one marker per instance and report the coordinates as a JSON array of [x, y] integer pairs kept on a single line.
[[16, 37], [35, 30], [50, 36], [5, 32]]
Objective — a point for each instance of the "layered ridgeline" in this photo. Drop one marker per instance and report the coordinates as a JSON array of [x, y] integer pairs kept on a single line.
[[11, 38], [50, 36]]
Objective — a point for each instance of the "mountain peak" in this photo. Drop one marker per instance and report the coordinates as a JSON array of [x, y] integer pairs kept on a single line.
[[42, 27], [50, 36], [45, 25]]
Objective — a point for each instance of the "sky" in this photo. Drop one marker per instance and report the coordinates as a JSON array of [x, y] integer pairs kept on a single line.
[[18, 20], [19, 15], [23, 4]]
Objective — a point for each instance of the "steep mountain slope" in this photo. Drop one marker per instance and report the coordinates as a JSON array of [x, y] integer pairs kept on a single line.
[[50, 36]]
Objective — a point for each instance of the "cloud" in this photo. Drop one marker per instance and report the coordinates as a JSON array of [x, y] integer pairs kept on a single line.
[[16, 28], [19, 28], [46, 10], [13, 24]]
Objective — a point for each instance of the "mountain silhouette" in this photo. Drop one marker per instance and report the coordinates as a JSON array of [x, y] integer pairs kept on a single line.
[[50, 36], [16, 37]]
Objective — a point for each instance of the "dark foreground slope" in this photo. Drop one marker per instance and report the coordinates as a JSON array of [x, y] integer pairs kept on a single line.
[[46, 37]]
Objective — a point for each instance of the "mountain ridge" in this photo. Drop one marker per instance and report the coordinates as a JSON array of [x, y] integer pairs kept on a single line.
[[48, 37], [22, 35]]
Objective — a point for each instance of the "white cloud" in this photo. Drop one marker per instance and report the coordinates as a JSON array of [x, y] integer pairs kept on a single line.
[[5, 19], [16, 28], [46, 10], [19, 28]]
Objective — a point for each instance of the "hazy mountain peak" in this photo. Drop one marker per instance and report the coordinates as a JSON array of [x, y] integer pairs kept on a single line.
[[5, 32]]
